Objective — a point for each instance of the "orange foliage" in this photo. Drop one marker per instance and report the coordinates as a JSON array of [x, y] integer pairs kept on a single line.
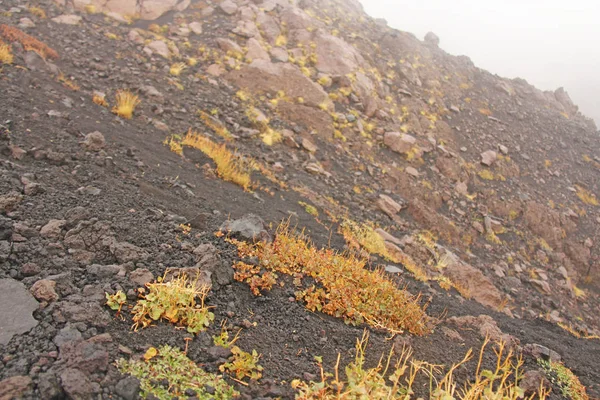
[[30, 43]]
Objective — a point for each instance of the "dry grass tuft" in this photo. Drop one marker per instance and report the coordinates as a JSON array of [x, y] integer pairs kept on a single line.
[[363, 236], [126, 104], [6, 55], [500, 383], [229, 167], [586, 196], [38, 12], [177, 68], [100, 99], [29, 43], [215, 125], [333, 283]]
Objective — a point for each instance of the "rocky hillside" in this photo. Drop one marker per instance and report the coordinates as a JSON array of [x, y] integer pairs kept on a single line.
[[178, 141]]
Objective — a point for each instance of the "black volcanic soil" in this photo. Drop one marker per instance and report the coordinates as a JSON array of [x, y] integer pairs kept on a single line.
[[145, 193]]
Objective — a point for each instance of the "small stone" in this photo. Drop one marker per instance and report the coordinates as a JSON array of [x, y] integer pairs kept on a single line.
[[94, 141], [70, 19], [16, 308], [44, 290], [309, 146], [228, 7], [412, 171], [76, 384], [489, 158], [129, 388], [503, 149], [25, 23], [14, 387], [196, 27], [141, 276]]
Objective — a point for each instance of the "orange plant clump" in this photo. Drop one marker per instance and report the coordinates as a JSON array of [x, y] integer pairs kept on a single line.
[[340, 284], [29, 43]]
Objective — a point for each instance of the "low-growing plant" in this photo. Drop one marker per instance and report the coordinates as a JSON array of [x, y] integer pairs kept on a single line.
[[68, 83], [170, 373], [179, 301], [364, 236], [223, 340], [229, 167], [116, 301], [243, 364], [338, 284], [565, 379], [126, 104], [6, 55], [29, 43], [312, 210]]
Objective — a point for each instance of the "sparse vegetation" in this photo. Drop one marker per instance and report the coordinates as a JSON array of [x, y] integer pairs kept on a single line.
[[312, 210], [341, 287], [100, 99], [565, 379], [362, 383], [586, 196], [243, 364], [171, 365], [116, 301], [215, 125], [229, 167], [29, 43], [177, 68], [126, 104], [38, 12], [179, 301], [6, 55]]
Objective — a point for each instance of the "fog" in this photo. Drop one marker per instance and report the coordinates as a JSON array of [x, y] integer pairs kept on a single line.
[[550, 43]]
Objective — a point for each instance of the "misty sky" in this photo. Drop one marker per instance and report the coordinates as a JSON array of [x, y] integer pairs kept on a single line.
[[550, 43]]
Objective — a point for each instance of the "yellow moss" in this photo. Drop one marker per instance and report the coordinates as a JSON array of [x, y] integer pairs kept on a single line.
[[486, 174], [281, 41]]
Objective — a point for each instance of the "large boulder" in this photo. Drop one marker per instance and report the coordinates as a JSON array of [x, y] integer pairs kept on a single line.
[[265, 76], [143, 9], [16, 308], [335, 56]]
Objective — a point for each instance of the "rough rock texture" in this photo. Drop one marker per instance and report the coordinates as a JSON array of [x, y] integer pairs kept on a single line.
[[16, 307], [144, 9]]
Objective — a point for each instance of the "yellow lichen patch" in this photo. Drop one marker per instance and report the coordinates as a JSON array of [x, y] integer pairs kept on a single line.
[[271, 136], [229, 167], [341, 285], [6, 55], [126, 104], [586, 196], [312, 210], [486, 174]]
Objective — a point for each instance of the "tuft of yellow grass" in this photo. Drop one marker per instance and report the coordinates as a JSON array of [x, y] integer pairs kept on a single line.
[[394, 380], [126, 104], [229, 167], [586, 196], [177, 68], [215, 125], [38, 12], [100, 99], [342, 285], [6, 55]]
